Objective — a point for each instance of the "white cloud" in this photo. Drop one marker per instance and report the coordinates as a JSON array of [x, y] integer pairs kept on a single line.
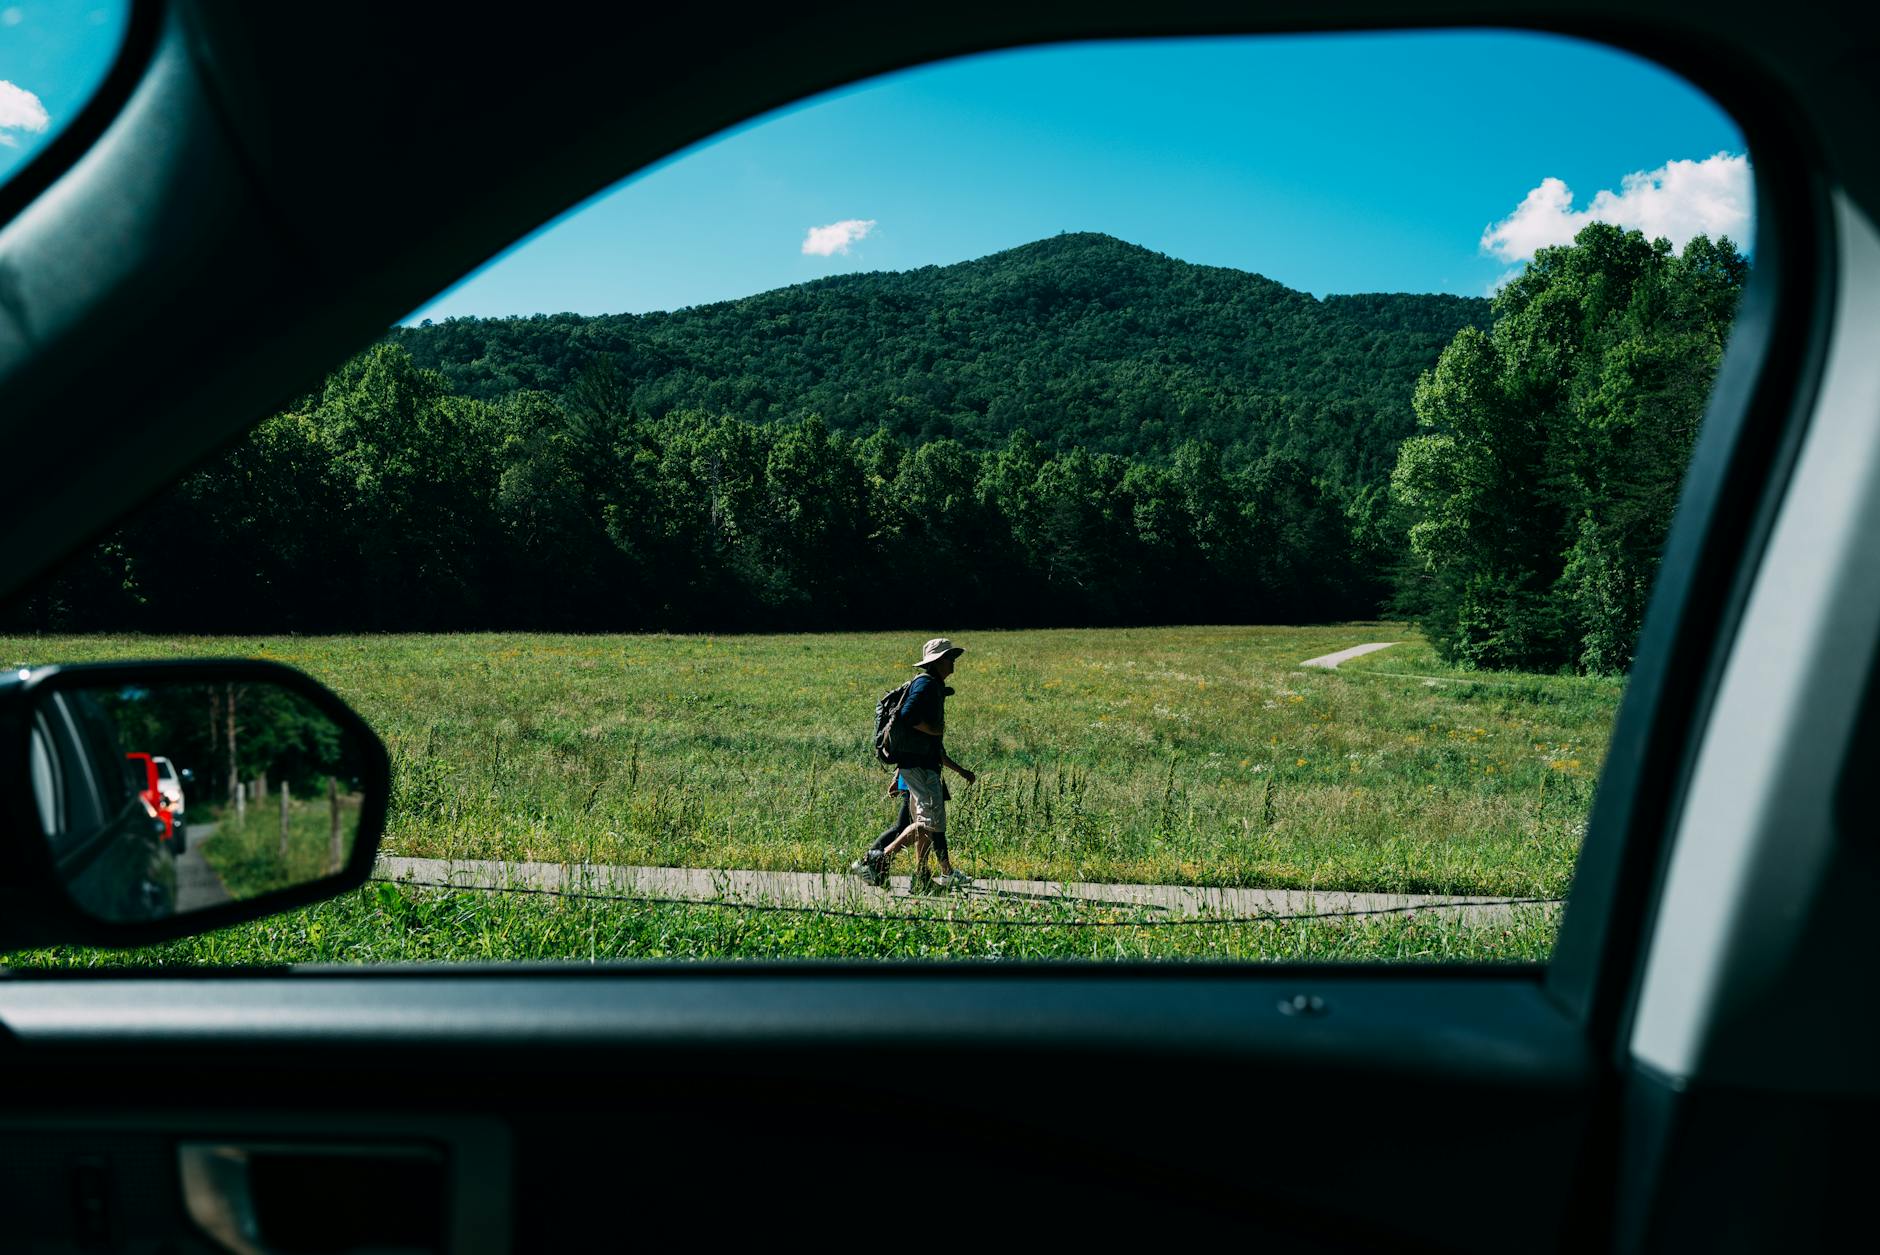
[[1678, 200], [20, 110], [836, 237]]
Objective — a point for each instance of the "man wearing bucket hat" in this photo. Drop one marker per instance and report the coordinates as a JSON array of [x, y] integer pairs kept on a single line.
[[917, 731]]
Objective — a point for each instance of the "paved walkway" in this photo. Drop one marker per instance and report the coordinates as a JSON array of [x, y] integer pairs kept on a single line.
[[197, 885], [1331, 661], [840, 891]]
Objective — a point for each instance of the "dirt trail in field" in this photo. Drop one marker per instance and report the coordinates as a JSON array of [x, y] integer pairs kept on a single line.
[[840, 891], [1331, 661]]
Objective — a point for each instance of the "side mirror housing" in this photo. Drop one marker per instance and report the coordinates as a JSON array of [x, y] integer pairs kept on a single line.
[[289, 811]]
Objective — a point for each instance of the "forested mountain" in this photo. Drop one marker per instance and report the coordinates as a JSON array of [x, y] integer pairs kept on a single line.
[[1081, 340]]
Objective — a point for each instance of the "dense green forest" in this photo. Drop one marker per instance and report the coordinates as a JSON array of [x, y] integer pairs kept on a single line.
[[1537, 496], [1078, 431]]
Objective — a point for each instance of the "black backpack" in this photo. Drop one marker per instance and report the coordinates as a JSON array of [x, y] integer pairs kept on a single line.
[[886, 753]]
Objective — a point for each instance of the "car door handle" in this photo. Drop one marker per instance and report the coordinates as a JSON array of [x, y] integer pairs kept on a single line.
[[255, 1198]]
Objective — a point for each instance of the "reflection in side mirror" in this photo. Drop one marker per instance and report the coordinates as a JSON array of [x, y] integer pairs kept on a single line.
[[271, 800]]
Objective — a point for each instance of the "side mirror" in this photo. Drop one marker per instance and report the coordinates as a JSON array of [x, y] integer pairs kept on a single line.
[[290, 811]]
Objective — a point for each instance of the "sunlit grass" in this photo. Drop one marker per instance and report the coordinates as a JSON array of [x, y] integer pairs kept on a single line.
[[251, 854], [389, 923], [1182, 755]]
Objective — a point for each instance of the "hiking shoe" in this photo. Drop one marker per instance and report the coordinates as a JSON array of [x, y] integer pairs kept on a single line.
[[955, 879], [870, 869]]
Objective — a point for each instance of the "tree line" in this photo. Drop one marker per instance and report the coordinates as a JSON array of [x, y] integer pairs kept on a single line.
[[389, 503], [1537, 495]]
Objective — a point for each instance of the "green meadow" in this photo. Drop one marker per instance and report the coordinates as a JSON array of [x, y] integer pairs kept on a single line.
[[1199, 755]]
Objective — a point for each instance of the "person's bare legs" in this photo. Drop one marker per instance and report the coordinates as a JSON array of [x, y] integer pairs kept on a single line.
[[940, 853], [922, 840], [914, 833], [927, 800]]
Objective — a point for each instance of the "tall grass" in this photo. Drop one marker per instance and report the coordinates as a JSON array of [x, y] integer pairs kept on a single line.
[[392, 923], [251, 855], [1188, 755], [1180, 755]]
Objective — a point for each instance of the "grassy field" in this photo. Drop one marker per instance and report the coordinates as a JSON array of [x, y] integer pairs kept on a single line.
[[246, 850], [1185, 755]]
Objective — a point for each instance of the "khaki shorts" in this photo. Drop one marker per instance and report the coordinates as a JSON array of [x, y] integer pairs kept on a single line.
[[927, 796]]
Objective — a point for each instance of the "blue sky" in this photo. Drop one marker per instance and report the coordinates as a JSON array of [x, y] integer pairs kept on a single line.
[[1330, 163], [53, 55]]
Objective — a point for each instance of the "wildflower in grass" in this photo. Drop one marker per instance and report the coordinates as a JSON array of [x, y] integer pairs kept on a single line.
[[1300, 763]]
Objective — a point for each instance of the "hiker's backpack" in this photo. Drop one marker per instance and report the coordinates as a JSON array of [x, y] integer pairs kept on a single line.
[[886, 753]]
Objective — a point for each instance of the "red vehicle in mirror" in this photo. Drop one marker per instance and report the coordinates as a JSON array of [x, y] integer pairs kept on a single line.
[[152, 794]]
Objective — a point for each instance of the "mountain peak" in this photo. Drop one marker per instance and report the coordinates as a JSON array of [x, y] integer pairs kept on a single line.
[[1080, 339], [1069, 241], [1075, 244]]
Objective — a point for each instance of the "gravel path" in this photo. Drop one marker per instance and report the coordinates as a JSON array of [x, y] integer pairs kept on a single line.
[[1331, 661], [844, 892]]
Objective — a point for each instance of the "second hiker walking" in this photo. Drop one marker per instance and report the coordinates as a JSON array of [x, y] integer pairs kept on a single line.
[[910, 725]]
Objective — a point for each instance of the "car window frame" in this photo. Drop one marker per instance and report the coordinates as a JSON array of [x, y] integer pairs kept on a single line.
[[1754, 424]]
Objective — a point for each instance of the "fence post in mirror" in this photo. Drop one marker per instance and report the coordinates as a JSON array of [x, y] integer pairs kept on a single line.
[[127, 790]]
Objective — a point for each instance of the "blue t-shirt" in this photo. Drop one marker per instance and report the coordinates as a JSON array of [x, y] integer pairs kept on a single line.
[[925, 703]]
